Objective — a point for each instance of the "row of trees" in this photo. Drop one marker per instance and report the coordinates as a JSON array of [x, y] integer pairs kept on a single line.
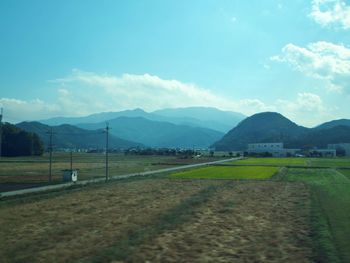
[[17, 142], [160, 151]]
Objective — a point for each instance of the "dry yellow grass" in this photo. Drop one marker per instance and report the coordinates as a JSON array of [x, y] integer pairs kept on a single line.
[[79, 224], [251, 222]]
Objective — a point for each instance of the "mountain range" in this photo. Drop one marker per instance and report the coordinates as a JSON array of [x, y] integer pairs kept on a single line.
[[198, 127], [274, 127], [172, 128], [204, 117]]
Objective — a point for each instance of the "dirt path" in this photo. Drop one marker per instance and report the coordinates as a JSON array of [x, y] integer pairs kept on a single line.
[[246, 222]]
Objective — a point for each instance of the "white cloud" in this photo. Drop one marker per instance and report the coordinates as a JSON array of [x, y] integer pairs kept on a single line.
[[82, 93], [16, 110], [331, 12], [307, 109], [320, 60], [150, 92]]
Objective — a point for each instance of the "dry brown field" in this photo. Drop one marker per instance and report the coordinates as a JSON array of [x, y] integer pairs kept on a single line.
[[160, 219]]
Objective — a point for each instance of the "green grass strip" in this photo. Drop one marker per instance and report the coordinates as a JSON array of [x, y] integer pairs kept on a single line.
[[330, 212]]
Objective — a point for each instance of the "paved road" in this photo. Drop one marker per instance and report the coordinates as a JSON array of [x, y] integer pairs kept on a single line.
[[115, 177]]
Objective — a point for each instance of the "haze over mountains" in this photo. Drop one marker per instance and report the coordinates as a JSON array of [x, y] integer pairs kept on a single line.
[[274, 127], [205, 117], [173, 128]]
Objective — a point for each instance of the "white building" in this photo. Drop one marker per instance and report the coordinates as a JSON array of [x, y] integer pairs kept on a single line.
[[340, 146], [276, 149]]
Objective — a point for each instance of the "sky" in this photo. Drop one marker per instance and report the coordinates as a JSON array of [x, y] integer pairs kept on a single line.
[[74, 58]]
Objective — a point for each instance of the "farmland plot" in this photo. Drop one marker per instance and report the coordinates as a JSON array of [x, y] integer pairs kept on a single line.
[[35, 170], [80, 224]]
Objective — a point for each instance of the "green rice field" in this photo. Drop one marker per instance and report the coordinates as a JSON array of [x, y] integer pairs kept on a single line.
[[229, 172], [273, 161]]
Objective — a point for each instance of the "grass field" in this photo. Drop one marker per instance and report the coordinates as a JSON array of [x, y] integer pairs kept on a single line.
[[329, 162], [228, 172]]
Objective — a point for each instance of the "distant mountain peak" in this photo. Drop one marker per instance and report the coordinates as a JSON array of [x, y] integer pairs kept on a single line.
[[269, 114]]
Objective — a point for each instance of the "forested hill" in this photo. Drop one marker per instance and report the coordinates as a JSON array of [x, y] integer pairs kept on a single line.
[[17, 142], [261, 127]]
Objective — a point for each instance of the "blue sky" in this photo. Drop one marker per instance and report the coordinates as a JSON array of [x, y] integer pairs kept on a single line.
[[72, 58]]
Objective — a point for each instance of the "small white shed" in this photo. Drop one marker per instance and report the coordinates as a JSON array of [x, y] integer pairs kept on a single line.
[[70, 175]]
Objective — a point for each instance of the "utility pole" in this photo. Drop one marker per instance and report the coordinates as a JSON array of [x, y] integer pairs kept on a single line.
[[50, 151], [1, 114], [107, 135]]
